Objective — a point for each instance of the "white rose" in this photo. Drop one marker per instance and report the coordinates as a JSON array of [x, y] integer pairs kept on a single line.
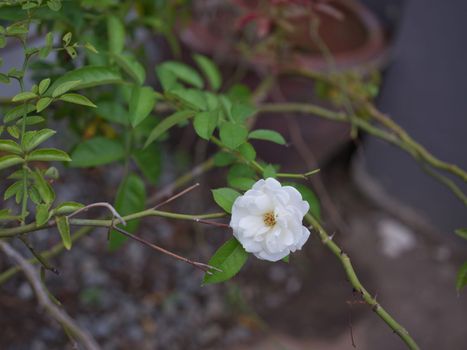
[[267, 220]]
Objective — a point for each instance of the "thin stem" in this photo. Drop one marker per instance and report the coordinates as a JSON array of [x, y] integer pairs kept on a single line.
[[356, 284], [203, 267], [179, 194], [10, 232], [54, 311]]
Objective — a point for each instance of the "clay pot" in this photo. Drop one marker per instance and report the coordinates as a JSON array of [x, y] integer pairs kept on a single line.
[[354, 37]]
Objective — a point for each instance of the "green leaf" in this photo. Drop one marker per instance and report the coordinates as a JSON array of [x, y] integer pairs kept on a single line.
[[44, 85], [167, 79], [149, 160], [267, 135], [112, 111], [89, 76], [116, 34], [286, 259], [225, 197], [54, 5], [18, 111], [4, 78], [34, 138], [205, 123], [67, 38], [65, 87], [43, 103], [48, 155], [42, 214], [10, 160], [233, 135], [223, 159], [142, 102], [241, 112], [461, 280], [183, 72], [210, 71], [241, 177], [131, 66], [131, 198], [64, 229], [248, 151], [70, 50], [10, 146], [23, 96], [31, 120], [97, 151], [77, 99], [13, 189], [190, 98], [269, 171], [309, 196], [461, 232], [43, 187], [67, 208], [166, 124], [229, 258], [13, 131]]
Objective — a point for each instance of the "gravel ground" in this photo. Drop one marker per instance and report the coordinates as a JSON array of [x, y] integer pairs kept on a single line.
[[137, 298]]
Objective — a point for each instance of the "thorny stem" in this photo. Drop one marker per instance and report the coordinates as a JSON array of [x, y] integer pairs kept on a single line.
[[356, 284]]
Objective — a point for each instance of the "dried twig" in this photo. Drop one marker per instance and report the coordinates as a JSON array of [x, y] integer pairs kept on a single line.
[[204, 267], [54, 311], [175, 196]]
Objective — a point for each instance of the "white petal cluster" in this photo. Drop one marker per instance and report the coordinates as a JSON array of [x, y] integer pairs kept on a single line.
[[267, 220]]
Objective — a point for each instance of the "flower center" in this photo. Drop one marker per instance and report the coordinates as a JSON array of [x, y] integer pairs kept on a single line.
[[269, 219]]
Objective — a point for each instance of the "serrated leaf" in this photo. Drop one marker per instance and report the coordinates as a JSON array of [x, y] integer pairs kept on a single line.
[[48, 155], [210, 71], [65, 87], [233, 135], [116, 34], [229, 258], [32, 139], [205, 123], [131, 66], [63, 226], [89, 76], [17, 112], [131, 198], [461, 232], [97, 151], [13, 131], [267, 135], [10, 160], [77, 99], [225, 197], [461, 280], [166, 124], [10, 146], [142, 102], [67, 208], [42, 214], [23, 96], [183, 72], [43, 103]]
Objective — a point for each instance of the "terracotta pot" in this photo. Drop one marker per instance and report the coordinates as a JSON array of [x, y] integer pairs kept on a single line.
[[355, 38]]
